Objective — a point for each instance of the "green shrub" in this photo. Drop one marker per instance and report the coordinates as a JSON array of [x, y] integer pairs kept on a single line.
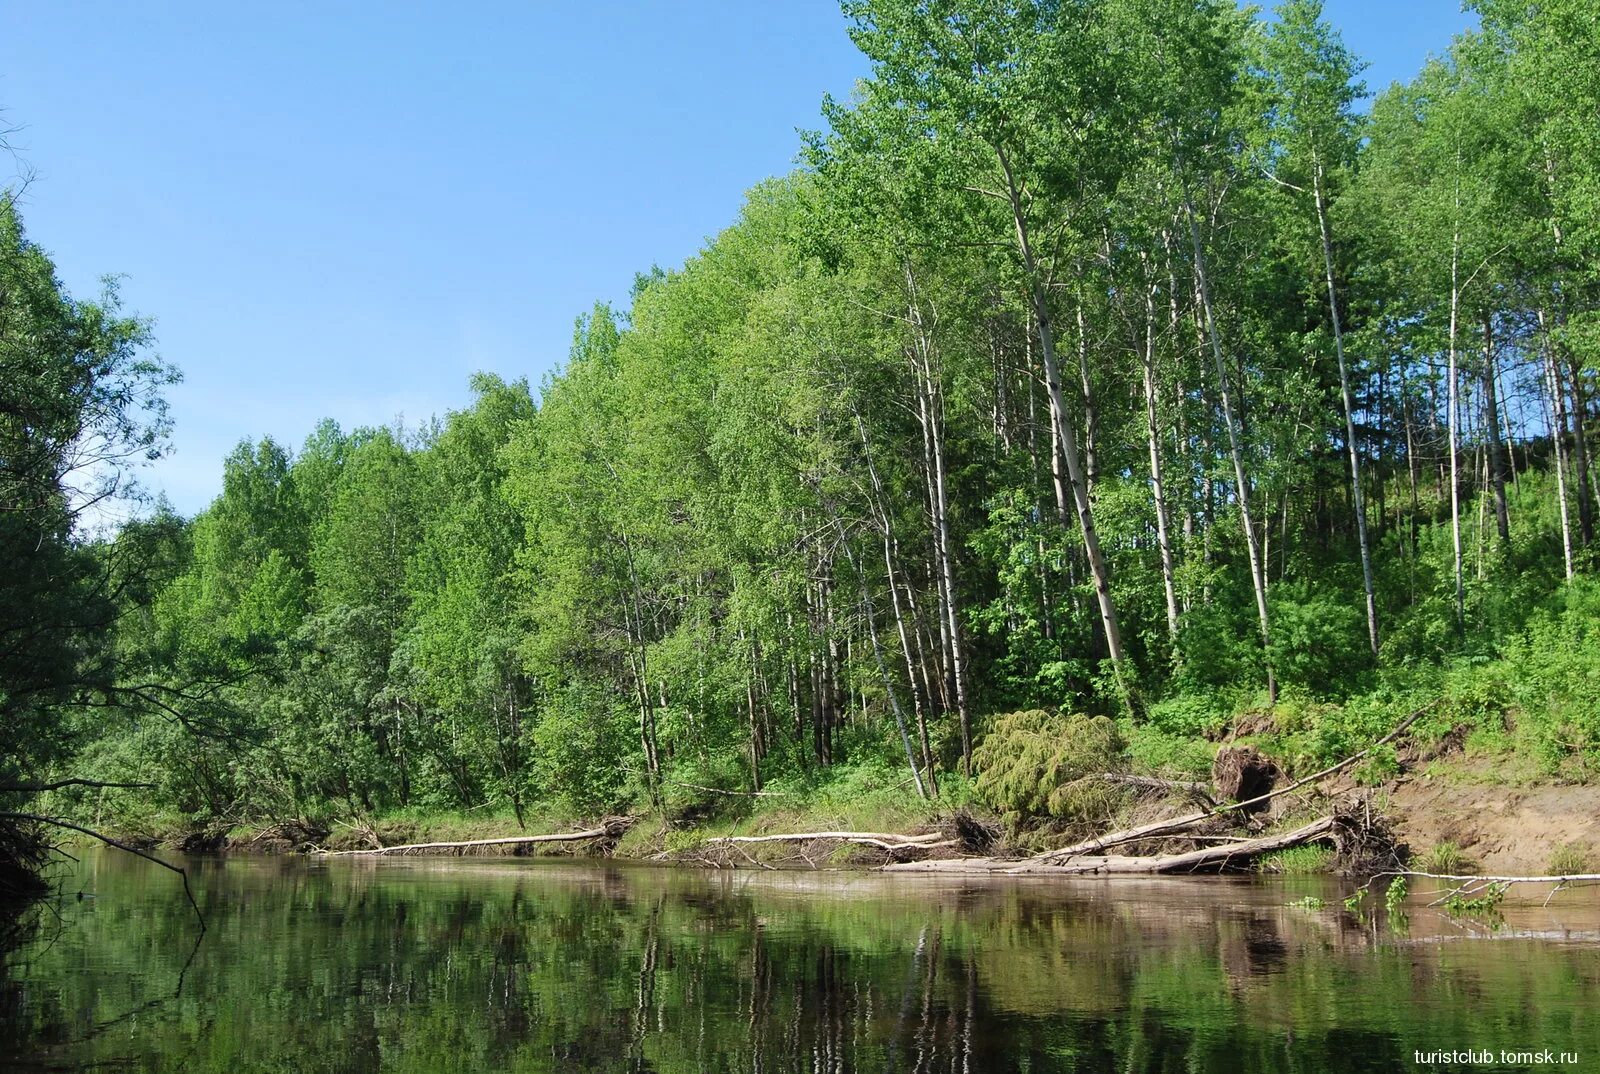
[[1033, 764], [583, 749], [1569, 859], [1219, 649], [1552, 670], [1190, 715], [1318, 640], [1170, 755], [1380, 766], [1444, 858], [1297, 860]]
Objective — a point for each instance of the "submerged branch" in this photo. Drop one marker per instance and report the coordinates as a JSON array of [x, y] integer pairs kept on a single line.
[[120, 845]]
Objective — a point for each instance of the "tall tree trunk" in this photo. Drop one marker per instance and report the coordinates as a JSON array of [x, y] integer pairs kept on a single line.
[[1580, 440], [1157, 490], [1481, 466], [1452, 417], [891, 552], [1558, 438], [1091, 415], [877, 650], [1042, 571], [1491, 421], [838, 698], [1413, 479], [931, 413], [1258, 575], [641, 678], [1358, 502], [1062, 419], [1580, 449], [757, 739]]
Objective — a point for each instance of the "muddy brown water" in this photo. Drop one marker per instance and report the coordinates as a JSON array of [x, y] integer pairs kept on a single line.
[[435, 965]]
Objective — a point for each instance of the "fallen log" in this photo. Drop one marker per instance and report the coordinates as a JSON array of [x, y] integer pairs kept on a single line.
[[1155, 783], [1216, 857], [732, 794], [1470, 886], [610, 829], [1190, 820], [880, 839], [896, 846]]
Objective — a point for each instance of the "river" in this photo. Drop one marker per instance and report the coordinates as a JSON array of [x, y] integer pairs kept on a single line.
[[558, 965]]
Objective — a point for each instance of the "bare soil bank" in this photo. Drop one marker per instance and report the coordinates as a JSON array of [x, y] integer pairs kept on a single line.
[[1510, 829]]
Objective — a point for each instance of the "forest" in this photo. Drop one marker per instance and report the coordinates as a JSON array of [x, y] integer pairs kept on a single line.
[[1107, 367]]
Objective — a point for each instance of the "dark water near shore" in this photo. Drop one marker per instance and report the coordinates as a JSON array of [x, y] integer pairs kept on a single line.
[[514, 965]]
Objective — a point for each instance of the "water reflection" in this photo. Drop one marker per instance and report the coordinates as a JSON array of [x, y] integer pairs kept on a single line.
[[536, 966]]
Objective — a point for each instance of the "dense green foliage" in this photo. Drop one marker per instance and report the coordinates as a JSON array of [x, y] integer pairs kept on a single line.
[[1105, 358], [79, 406], [1033, 764]]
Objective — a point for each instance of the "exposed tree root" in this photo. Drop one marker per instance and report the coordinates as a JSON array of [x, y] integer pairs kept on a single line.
[[1244, 773], [1188, 821], [24, 851]]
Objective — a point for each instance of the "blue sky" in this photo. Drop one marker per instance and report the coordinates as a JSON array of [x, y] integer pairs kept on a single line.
[[345, 213]]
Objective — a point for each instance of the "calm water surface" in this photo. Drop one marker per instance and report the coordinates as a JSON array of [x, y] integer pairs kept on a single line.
[[526, 965]]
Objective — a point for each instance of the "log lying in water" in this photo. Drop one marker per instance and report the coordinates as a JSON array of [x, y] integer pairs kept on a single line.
[[1469, 886], [1217, 857], [610, 829]]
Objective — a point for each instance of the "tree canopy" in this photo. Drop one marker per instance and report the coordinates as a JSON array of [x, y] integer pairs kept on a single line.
[[1105, 357]]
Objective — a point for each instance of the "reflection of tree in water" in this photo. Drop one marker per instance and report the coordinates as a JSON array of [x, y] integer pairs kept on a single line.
[[428, 967], [1251, 944]]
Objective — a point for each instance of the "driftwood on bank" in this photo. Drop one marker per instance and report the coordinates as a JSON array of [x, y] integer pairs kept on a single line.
[[1206, 858], [1183, 823], [1347, 829], [610, 829], [845, 837], [960, 831], [891, 842]]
